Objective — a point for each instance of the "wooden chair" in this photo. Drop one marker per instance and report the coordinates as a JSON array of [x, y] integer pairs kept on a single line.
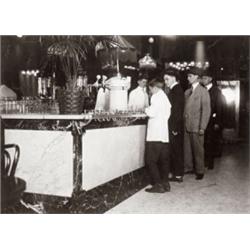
[[12, 187]]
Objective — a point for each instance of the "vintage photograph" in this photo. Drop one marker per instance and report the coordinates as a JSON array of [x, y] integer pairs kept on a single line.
[[124, 124]]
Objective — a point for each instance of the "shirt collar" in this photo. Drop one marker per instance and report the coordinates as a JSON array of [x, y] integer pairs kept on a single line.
[[209, 86], [158, 93], [194, 85], [171, 87], [141, 88]]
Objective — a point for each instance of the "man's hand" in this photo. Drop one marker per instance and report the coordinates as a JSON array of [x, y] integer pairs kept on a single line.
[[201, 132], [216, 127]]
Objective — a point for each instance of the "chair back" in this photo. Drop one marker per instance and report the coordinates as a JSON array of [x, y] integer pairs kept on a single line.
[[8, 166], [12, 187]]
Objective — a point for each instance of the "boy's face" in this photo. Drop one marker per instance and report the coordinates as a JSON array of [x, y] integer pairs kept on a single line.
[[142, 83], [206, 80], [192, 78], [153, 90], [169, 80]]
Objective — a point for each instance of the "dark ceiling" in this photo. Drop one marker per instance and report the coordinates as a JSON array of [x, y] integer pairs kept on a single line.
[[229, 52]]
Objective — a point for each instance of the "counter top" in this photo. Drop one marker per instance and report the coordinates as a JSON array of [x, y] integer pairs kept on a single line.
[[71, 117], [46, 117]]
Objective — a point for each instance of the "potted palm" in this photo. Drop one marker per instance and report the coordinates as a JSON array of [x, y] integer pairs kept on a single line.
[[68, 54]]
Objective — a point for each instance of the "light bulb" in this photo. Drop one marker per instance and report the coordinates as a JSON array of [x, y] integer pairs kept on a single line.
[[151, 40]]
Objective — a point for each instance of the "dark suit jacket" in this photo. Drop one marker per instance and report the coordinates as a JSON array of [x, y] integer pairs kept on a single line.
[[217, 105], [197, 109], [176, 98]]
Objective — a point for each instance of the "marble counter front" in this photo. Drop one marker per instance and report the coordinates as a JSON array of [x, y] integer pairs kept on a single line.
[[111, 152], [46, 160], [58, 158]]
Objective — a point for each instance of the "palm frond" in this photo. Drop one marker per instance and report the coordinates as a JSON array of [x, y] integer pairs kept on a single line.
[[70, 51]]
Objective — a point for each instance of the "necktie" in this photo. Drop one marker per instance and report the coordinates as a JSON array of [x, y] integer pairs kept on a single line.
[[191, 91]]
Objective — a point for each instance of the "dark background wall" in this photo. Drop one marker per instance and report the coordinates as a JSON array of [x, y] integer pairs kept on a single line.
[[228, 52]]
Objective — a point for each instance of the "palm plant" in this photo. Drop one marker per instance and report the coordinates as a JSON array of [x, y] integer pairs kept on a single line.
[[68, 53]]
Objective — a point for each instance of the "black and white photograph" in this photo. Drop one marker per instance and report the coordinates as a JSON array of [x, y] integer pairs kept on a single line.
[[124, 125]]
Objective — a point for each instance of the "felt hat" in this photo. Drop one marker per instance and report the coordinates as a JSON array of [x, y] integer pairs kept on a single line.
[[172, 72], [195, 71], [207, 72]]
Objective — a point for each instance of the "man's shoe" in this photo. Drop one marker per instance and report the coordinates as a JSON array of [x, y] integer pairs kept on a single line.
[[157, 188], [199, 176], [176, 179], [166, 186], [210, 167]]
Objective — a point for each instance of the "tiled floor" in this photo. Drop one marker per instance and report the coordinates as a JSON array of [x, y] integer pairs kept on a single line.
[[226, 189]]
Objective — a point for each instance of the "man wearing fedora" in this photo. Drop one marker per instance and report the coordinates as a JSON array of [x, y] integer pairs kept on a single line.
[[213, 134], [175, 123], [196, 116]]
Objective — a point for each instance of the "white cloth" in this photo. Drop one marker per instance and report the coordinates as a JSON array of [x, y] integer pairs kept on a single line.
[[194, 85], [158, 112], [173, 85], [138, 99], [102, 100]]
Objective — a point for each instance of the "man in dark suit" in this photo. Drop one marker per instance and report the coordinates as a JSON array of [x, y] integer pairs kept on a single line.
[[196, 116], [175, 123], [213, 134]]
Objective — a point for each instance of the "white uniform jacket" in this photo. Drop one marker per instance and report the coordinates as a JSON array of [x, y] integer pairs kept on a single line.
[[138, 99], [158, 113]]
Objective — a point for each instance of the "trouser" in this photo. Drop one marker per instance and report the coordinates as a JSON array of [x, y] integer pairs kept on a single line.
[[157, 161], [209, 148], [212, 145], [194, 152], [218, 141], [176, 154]]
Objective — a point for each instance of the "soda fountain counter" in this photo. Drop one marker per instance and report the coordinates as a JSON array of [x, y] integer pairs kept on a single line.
[[62, 155]]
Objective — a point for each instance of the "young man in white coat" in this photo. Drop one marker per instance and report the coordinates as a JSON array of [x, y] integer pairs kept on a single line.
[[157, 140], [138, 98]]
